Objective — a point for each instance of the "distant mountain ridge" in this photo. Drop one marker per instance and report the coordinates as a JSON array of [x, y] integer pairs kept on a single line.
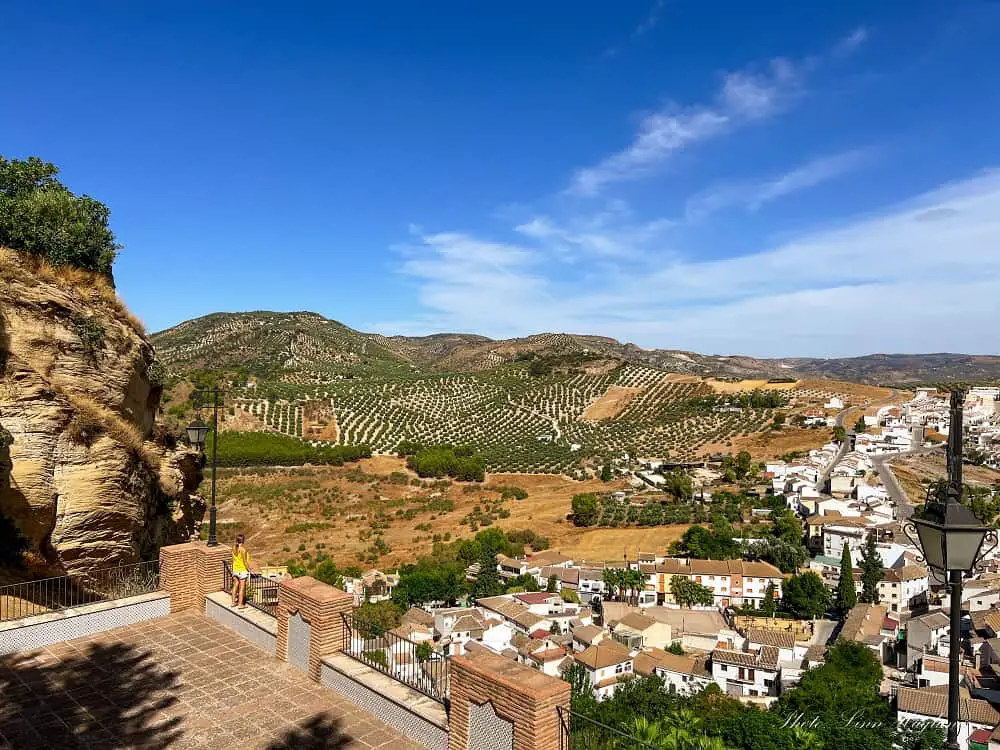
[[306, 342]]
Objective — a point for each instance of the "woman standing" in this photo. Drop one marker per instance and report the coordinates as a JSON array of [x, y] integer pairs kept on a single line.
[[241, 572]]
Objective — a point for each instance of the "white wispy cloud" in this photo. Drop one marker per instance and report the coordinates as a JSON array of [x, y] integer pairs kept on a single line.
[[660, 135], [743, 97], [850, 43], [753, 195], [920, 276], [611, 232], [651, 20]]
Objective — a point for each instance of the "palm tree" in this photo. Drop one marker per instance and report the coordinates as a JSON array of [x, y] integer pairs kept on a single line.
[[610, 578], [805, 740], [637, 581], [710, 743], [688, 719], [644, 730]]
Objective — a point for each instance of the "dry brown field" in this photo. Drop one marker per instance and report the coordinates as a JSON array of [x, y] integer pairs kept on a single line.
[[914, 472], [855, 390], [774, 443], [611, 404], [347, 509], [724, 386]]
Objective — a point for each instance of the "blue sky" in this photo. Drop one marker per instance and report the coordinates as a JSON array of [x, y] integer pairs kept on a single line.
[[770, 179]]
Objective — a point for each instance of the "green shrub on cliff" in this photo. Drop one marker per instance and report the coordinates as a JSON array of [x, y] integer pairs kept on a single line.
[[41, 216]]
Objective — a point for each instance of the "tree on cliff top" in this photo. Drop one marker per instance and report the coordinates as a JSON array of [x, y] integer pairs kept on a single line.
[[41, 216]]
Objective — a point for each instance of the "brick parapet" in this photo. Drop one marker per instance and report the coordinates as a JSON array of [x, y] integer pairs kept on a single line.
[[319, 604], [189, 571], [521, 695], [211, 569]]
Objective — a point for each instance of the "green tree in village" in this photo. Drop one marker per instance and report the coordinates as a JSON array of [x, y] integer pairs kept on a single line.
[[373, 619], [689, 593], [679, 485], [839, 434], [611, 577], [845, 686], [552, 584], [768, 605], [860, 425], [423, 652], [585, 509], [920, 735], [806, 596], [525, 582], [847, 594], [488, 581], [606, 475], [871, 570]]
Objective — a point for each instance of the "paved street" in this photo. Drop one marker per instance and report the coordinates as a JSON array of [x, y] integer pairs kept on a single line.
[[182, 682], [904, 506]]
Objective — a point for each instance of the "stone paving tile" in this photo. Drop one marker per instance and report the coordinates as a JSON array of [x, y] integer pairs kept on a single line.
[[182, 682]]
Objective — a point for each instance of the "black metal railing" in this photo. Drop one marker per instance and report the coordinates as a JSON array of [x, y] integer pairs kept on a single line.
[[64, 592], [579, 732], [261, 592], [416, 665]]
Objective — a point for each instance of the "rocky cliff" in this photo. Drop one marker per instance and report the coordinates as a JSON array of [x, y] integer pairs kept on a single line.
[[85, 476]]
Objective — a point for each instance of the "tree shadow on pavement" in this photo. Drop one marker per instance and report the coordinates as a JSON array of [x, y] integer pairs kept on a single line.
[[109, 696], [321, 732]]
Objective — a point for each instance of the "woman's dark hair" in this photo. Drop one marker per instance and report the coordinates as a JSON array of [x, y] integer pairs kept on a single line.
[[239, 541]]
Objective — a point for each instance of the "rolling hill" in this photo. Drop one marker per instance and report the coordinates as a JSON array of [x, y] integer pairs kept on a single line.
[[271, 343]]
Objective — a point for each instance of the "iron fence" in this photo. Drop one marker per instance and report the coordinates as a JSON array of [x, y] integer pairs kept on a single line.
[[579, 732], [416, 665], [64, 592], [261, 591]]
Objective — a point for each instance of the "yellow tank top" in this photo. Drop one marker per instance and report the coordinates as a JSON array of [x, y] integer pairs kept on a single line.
[[239, 566]]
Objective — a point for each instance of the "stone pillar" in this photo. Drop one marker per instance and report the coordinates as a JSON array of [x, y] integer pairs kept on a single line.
[[191, 570], [320, 606], [498, 704]]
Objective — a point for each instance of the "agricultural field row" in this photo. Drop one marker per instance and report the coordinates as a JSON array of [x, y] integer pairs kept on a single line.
[[520, 423]]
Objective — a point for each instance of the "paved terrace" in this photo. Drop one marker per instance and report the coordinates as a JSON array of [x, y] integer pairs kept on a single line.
[[179, 682]]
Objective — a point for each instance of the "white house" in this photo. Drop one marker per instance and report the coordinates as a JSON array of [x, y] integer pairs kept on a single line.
[[927, 634], [542, 654], [639, 631], [497, 635], [903, 589], [607, 663], [931, 704], [747, 674], [684, 674], [591, 584], [784, 641]]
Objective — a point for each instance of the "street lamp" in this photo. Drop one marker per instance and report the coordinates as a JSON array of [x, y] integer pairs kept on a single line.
[[951, 538], [197, 432]]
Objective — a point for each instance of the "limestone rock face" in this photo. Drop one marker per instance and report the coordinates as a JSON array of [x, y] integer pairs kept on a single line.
[[83, 477]]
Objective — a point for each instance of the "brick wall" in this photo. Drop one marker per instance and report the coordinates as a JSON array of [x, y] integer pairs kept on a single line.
[[520, 695], [319, 604], [190, 571]]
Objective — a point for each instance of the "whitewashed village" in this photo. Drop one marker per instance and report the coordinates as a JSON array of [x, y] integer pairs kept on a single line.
[[612, 620]]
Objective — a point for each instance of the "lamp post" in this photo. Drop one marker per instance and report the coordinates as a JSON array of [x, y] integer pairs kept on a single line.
[[951, 538], [197, 432]]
